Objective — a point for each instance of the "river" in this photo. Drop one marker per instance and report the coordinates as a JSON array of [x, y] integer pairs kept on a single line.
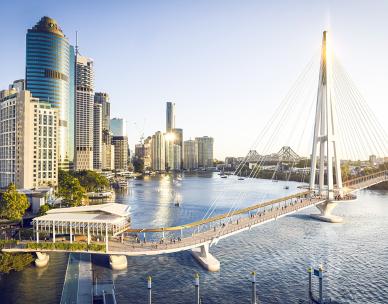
[[354, 254]]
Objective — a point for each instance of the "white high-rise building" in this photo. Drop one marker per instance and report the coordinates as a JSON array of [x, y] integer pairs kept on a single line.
[[173, 154], [84, 113], [28, 140], [97, 137], [158, 152], [190, 155], [205, 151]]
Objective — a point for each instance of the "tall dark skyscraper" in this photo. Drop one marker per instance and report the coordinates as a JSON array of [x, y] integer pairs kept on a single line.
[[170, 116], [50, 64]]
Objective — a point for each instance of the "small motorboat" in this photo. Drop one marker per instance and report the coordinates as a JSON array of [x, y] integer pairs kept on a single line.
[[224, 176], [241, 178]]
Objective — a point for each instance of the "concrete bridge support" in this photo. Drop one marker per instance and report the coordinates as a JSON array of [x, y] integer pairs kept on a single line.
[[42, 259], [118, 262], [203, 256], [326, 208]]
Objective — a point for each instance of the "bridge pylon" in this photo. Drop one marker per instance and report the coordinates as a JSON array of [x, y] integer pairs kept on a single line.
[[325, 140]]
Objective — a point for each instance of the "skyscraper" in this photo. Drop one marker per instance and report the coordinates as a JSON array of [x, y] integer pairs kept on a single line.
[[28, 140], [190, 155], [120, 144], [170, 116], [178, 140], [103, 100], [50, 77], [205, 151], [107, 150], [97, 136], [158, 152], [84, 112]]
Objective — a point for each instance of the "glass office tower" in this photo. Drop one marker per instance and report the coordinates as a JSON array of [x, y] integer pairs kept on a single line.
[[50, 77]]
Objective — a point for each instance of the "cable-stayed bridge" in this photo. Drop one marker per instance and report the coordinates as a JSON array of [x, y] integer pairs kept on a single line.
[[338, 107]]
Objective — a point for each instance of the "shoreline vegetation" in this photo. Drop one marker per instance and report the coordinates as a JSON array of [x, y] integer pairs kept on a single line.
[[13, 261]]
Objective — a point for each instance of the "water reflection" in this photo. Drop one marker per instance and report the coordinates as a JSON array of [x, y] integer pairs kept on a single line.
[[354, 253]]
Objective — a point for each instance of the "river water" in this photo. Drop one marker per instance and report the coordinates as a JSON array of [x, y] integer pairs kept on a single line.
[[354, 253]]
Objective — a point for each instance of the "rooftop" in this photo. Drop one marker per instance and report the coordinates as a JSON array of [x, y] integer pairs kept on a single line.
[[110, 212], [47, 25]]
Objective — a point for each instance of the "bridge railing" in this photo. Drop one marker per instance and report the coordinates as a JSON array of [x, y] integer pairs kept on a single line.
[[223, 216], [363, 179]]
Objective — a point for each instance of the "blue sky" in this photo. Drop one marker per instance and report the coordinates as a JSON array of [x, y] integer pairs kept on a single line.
[[226, 64]]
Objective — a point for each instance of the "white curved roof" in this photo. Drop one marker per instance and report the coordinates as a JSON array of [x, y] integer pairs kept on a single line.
[[109, 208]]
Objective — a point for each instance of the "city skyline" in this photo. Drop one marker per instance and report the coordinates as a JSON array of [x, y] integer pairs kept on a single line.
[[225, 67]]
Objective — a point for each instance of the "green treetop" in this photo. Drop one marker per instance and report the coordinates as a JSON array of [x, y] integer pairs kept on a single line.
[[70, 189], [13, 204]]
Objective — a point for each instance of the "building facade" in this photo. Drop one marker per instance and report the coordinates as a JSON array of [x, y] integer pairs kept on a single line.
[[104, 101], [108, 155], [190, 155], [170, 116], [118, 127], [28, 140], [84, 113], [205, 151], [158, 152], [120, 144], [97, 136], [50, 77], [147, 153]]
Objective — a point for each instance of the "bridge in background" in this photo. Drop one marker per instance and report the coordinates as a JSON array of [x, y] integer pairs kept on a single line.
[[120, 241]]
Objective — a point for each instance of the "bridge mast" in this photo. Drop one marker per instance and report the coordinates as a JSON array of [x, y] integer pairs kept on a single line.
[[325, 129]]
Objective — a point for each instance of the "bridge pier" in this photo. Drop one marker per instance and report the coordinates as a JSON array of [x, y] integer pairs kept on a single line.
[[42, 259], [326, 208], [118, 262], [205, 258]]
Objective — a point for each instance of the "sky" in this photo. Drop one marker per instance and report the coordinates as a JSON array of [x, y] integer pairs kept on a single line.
[[227, 64]]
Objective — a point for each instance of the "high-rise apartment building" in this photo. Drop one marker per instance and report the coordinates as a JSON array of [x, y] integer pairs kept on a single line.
[[120, 144], [147, 153], [170, 116], [97, 136], [84, 113], [104, 101], [108, 152], [143, 152], [205, 151], [178, 140], [107, 149], [158, 152], [50, 77], [28, 140], [190, 155]]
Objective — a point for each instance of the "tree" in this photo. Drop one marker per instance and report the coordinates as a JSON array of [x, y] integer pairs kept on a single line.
[[13, 204], [92, 181], [43, 209], [345, 171], [70, 189], [138, 165], [16, 261]]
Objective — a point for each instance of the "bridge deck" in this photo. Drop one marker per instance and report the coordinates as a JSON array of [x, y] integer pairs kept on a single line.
[[264, 212]]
